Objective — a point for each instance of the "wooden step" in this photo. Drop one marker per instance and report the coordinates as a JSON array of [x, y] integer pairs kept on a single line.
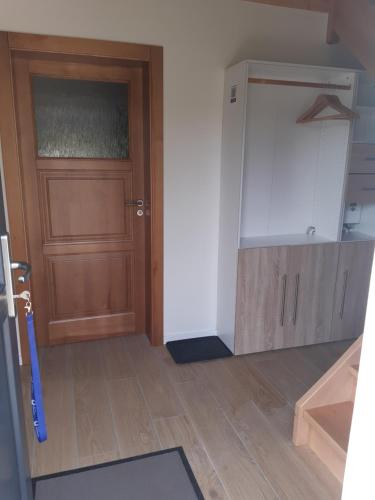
[[354, 370], [334, 421]]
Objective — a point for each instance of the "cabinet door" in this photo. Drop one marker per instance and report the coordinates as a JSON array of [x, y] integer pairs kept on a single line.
[[352, 286], [261, 299], [312, 272]]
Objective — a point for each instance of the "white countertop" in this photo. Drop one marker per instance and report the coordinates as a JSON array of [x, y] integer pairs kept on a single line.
[[356, 236], [281, 240]]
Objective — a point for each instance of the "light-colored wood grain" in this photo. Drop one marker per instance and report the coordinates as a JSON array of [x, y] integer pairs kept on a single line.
[[60, 451], [133, 427], [237, 469], [280, 376], [323, 415], [259, 389], [261, 299], [178, 431], [235, 425], [285, 296], [352, 286], [98, 459], [158, 391], [116, 359], [312, 276], [329, 455], [335, 386], [290, 477], [335, 421], [176, 372], [94, 424], [321, 473], [302, 369]]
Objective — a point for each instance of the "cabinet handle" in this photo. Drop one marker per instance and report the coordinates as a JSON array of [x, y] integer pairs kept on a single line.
[[283, 300], [296, 296], [344, 288]]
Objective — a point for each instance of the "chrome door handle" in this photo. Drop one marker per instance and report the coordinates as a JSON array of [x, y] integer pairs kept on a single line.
[[283, 299], [8, 265], [296, 296], [344, 289], [135, 203], [24, 266]]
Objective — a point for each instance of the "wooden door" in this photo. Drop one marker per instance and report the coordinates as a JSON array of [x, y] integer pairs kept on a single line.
[[80, 128], [312, 275], [352, 288], [261, 306]]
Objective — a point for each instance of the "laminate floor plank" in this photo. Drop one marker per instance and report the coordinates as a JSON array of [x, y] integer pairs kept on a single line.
[[116, 359], [281, 378], [160, 394], [178, 431], [121, 397], [285, 470], [94, 424], [177, 373], [238, 471], [60, 451], [134, 430]]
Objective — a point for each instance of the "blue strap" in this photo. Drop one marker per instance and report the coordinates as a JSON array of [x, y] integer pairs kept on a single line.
[[36, 386]]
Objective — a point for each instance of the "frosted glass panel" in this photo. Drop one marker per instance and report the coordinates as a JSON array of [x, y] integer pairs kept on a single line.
[[81, 119]]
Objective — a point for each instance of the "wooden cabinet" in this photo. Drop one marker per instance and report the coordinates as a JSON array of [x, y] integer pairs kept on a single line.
[[312, 276], [362, 159], [261, 299], [285, 296], [352, 286], [361, 189]]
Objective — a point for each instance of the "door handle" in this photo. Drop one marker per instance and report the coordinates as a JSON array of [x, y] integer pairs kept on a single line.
[[135, 203], [8, 266], [283, 299], [296, 296], [344, 289], [24, 266]]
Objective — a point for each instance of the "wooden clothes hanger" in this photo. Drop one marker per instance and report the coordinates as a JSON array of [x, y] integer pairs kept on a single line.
[[322, 102]]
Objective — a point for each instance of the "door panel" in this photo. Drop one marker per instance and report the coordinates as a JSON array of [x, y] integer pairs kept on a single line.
[[81, 136], [312, 274], [352, 287], [261, 299], [86, 206]]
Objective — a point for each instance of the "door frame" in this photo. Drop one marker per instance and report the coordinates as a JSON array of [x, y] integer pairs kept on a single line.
[[127, 53]]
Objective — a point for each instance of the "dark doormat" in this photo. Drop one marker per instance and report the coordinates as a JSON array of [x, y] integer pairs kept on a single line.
[[164, 475], [200, 349]]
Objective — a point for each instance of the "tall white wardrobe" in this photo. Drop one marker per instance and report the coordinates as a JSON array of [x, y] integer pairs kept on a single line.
[[282, 203]]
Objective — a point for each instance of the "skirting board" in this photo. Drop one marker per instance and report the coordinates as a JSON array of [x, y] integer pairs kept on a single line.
[[188, 335]]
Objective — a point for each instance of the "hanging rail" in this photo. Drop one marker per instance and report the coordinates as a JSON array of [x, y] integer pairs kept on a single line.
[[292, 83]]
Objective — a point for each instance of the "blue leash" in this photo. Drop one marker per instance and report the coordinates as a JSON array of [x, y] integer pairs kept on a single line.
[[36, 386]]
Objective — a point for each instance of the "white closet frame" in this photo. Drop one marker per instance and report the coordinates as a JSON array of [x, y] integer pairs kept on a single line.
[[235, 161]]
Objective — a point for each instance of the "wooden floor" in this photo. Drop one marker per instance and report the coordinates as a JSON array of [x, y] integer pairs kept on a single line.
[[118, 398]]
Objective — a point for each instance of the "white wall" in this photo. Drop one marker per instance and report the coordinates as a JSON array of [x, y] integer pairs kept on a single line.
[[201, 38], [359, 471]]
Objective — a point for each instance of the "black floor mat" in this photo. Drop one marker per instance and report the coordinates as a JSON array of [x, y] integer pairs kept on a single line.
[[200, 349]]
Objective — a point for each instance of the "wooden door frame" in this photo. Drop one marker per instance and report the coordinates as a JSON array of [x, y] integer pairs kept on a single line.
[[148, 55]]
